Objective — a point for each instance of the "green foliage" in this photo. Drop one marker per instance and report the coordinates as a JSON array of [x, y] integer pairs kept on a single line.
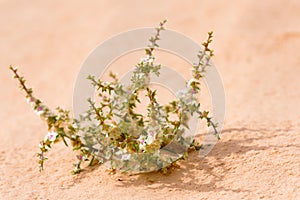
[[119, 130]]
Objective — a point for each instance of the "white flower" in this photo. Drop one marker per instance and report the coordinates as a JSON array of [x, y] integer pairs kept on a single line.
[[149, 139], [151, 134], [74, 125], [51, 136], [40, 110], [142, 142], [126, 156], [148, 59], [30, 101], [41, 145], [181, 93], [85, 115], [192, 81], [142, 146], [97, 146]]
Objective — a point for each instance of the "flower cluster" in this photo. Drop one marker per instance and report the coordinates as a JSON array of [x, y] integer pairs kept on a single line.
[[112, 132]]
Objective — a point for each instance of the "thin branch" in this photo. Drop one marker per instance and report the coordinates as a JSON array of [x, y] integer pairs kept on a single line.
[[21, 81], [209, 121], [153, 40], [99, 117]]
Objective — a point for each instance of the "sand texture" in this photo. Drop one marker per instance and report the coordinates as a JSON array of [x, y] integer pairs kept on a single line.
[[257, 46]]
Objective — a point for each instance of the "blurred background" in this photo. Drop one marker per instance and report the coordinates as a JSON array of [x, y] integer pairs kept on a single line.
[[256, 47], [255, 44]]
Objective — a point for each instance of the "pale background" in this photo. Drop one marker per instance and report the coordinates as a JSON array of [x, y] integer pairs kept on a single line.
[[257, 54]]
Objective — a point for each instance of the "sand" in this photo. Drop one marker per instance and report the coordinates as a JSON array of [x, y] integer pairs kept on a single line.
[[257, 54]]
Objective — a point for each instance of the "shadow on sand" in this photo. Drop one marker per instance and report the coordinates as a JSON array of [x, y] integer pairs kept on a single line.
[[204, 174]]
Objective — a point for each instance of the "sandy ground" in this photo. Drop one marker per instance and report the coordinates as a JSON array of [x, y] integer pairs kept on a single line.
[[257, 54]]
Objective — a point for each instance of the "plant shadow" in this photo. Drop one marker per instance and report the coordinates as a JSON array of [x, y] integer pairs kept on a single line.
[[206, 174], [201, 174]]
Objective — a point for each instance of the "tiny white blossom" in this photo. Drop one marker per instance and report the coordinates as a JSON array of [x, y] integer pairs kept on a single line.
[[181, 93], [97, 146], [74, 125], [41, 145], [126, 156], [51, 136], [142, 142], [149, 139], [148, 59], [40, 110], [191, 81], [30, 101], [142, 146]]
